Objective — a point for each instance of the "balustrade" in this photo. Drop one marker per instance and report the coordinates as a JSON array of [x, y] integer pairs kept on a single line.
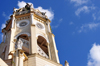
[[22, 12], [25, 43], [41, 52]]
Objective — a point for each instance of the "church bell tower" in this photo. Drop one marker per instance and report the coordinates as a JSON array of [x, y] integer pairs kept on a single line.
[[28, 40]]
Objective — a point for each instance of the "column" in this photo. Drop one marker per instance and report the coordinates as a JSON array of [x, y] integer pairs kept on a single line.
[[29, 37], [13, 19], [49, 28], [33, 40], [32, 19], [16, 58], [12, 35], [21, 58], [33, 36], [3, 37], [11, 40], [49, 51], [55, 49]]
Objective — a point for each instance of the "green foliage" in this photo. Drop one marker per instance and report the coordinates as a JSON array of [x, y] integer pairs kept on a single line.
[[12, 62]]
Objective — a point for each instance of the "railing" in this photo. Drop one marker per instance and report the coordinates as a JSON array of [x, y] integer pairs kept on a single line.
[[22, 12], [41, 52], [36, 12], [25, 43], [39, 14]]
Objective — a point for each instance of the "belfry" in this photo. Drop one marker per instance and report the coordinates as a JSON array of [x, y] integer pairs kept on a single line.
[[28, 40]]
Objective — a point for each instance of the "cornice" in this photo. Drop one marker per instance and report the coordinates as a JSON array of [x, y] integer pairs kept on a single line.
[[46, 59], [23, 15], [43, 19]]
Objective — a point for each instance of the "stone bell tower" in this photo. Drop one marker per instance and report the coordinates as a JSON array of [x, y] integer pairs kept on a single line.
[[28, 40]]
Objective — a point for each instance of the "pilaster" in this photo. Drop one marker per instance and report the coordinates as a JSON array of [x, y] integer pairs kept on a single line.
[[29, 37], [33, 37], [21, 58], [13, 20], [49, 51], [12, 35], [53, 49], [32, 18], [11, 48], [16, 58], [3, 36]]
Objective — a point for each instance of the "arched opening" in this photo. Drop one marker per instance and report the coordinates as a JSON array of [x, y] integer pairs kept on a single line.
[[23, 43], [23, 36], [42, 46]]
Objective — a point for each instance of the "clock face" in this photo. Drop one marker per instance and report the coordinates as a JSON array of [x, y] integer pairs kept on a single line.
[[23, 24], [39, 25]]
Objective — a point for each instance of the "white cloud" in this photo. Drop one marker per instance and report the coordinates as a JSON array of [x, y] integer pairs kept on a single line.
[[85, 9], [83, 6], [71, 23], [94, 55], [3, 26], [22, 4], [79, 2], [6, 17], [92, 7], [93, 25], [94, 17], [49, 12], [90, 26], [4, 14], [82, 9], [59, 22]]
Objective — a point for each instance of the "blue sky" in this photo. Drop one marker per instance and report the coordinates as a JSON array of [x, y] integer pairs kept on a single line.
[[75, 24]]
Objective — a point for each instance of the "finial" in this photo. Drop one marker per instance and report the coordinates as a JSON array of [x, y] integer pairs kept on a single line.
[[31, 6], [43, 13], [66, 63], [27, 6], [14, 9]]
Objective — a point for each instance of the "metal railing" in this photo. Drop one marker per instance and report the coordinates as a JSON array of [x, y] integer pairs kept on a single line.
[[25, 42], [22, 12], [41, 52]]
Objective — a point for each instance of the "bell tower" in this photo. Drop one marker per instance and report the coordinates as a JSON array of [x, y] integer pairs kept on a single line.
[[28, 40]]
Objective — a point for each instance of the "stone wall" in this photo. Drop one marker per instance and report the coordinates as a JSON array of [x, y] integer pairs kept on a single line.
[[38, 60], [2, 63]]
